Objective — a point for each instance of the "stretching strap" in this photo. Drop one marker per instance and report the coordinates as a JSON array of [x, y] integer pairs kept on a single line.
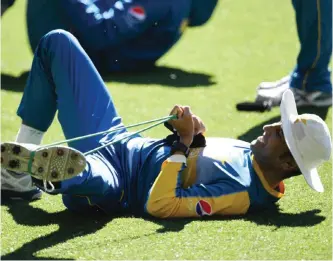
[[156, 122]]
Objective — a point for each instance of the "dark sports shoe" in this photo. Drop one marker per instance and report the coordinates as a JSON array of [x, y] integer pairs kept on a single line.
[[317, 99], [273, 91], [18, 186], [49, 164]]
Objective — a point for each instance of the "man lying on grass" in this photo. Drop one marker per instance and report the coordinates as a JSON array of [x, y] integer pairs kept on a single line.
[[181, 176]]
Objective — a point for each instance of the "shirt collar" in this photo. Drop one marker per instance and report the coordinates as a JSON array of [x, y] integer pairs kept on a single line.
[[264, 182]]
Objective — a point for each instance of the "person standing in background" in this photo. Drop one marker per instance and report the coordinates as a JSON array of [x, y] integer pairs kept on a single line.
[[310, 80]]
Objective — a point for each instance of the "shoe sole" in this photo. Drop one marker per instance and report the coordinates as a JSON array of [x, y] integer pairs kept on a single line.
[[50, 163]]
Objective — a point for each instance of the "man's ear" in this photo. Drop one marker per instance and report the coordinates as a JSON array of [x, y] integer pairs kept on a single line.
[[289, 165], [287, 162], [286, 166]]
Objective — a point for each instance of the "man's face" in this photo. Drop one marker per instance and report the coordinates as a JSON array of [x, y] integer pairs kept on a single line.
[[271, 145]]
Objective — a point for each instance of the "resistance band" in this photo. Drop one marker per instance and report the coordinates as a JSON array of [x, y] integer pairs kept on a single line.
[[157, 122]]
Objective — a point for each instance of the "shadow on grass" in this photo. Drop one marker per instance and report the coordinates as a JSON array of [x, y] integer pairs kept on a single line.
[[274, 217], [162, 75], [268, 217], [159, 75], [72, 225], [256, 131], [14, 83]]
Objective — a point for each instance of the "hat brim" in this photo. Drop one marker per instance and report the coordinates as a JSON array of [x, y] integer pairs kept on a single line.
[[288, 115]]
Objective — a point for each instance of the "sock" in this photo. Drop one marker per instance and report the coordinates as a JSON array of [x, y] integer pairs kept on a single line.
[[28, 134]]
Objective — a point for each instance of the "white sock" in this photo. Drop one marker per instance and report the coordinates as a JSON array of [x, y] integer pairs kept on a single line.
[[28, 134]]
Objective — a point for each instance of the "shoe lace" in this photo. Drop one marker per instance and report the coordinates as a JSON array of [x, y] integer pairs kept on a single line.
[[45, 182]]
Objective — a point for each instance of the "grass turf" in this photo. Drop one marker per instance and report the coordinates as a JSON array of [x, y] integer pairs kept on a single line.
[[211, 68]]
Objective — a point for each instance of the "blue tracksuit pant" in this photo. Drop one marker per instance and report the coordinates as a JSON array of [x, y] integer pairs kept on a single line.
[[314, 27], [64, 79]]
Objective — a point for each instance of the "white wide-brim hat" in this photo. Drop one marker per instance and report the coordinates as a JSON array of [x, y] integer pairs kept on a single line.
[[308, 139]]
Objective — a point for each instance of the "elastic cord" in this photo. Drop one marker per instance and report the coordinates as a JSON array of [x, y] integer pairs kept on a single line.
[[163, 119], [159, 121], [125, 137]]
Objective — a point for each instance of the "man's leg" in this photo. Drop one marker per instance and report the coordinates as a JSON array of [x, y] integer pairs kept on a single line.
[[314, 27], [310, 80], [64, 78]]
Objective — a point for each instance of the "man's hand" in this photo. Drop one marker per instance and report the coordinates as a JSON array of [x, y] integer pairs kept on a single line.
[[187, 125], [199, 126]]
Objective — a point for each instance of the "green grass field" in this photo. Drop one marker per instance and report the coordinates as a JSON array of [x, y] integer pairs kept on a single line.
[[215, 66]]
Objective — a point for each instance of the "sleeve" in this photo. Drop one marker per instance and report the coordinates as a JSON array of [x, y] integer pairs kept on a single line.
[[102, 23], [168, 199]]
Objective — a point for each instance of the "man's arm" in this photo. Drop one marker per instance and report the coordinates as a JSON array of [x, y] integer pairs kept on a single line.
[[102, 23], [167, 198]]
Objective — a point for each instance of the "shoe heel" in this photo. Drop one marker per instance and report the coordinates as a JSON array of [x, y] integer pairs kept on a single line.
[[14, 157]]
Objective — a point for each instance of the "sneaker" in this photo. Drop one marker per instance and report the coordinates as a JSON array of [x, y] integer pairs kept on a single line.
[[18, 186], [50, 164], [272, 91], [316, 99]]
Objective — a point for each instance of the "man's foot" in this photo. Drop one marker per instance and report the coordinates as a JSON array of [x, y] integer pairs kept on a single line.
[[316, 99], [50, 164], [272, 91], [18, 186]]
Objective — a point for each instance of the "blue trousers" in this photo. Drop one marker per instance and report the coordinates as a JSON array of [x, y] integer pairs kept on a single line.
[[314, 27], [64, 79]]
